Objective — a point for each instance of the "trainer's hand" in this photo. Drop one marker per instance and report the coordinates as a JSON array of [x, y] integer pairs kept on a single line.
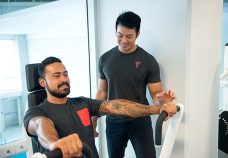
[[165, 96], [71, 146], [170, 108]]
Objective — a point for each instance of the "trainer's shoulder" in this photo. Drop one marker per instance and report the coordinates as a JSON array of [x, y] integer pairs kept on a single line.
[[145, 54], [109, 53]]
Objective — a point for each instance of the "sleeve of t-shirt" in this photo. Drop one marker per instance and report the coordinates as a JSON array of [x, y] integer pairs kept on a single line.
[[31, 113], [93, 106], [100, 69], [154, 71]]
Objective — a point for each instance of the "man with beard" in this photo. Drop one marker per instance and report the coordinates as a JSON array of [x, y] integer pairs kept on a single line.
[[64, 123]]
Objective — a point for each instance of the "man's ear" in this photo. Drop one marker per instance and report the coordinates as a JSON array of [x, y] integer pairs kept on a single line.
[[137, 34], [42, 82]]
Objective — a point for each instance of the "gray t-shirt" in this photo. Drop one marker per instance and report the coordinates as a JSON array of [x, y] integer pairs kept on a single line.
[[69, 118], [128, 75]]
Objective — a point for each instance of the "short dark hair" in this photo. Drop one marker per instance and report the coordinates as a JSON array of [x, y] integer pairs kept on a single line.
[[130, 20], [46, 62]]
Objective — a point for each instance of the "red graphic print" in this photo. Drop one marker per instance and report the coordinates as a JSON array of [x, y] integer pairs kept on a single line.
[[84, 116], [137, 63]]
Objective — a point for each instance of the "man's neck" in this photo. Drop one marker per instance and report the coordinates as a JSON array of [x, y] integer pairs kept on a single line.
[[56, 100], [128, 51]]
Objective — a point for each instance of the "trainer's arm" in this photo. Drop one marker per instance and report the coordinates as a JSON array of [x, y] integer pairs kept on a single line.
[[101, 95]]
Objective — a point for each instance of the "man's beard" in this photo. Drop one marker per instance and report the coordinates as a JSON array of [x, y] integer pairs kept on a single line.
[[59, 94]]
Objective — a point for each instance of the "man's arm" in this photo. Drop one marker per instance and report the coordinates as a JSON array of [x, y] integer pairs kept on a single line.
[[102, 90], [43, 127], [154, 89], [101, 95], [133, 109]]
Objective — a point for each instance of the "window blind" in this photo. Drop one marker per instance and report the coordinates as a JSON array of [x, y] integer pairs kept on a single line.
[[73, 51]]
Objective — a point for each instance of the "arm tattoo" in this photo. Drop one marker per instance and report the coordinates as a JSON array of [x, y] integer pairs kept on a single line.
[[127, 108], [116, 106]]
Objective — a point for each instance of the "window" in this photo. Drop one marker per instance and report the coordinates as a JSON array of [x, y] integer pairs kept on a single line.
[[10, 92], [9, 67], [64, 36], [72, 50]]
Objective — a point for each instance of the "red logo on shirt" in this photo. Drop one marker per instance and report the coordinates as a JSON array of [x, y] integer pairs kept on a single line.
[[84, 116], [137, 63]]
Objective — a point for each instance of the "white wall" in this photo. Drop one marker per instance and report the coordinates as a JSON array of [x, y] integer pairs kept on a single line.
[[202, 79], [224, 33], [163, 34], [224, 90], [184, 36]]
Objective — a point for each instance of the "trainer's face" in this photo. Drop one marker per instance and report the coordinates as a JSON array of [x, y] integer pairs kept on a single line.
[[126, 38], [56, 80]]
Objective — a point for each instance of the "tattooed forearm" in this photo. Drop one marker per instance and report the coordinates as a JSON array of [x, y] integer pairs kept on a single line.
[[116, 106], [128, 108]]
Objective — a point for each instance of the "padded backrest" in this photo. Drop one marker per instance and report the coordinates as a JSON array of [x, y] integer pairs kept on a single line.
[[37, 93], [32, 77], [36, 97]]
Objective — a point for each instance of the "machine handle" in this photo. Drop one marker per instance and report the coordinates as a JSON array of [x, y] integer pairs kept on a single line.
[[158, 127], [58, 154], [55, 153]]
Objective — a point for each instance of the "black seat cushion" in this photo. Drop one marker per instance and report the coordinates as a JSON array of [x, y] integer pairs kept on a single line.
[[223, 131], [32, 77], [36, 97]]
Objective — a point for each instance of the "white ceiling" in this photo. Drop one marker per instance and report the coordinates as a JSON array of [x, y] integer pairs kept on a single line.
[[57, 16]]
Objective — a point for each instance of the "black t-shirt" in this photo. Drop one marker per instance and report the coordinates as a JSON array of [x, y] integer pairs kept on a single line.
[[128, 75], [69, 118]]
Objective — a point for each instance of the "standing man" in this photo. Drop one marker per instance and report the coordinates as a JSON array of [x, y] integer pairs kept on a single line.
[[125, 72]]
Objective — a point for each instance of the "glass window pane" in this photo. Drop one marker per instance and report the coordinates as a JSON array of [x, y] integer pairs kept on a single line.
[[70, 45], [10, 79], [10, 93]]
